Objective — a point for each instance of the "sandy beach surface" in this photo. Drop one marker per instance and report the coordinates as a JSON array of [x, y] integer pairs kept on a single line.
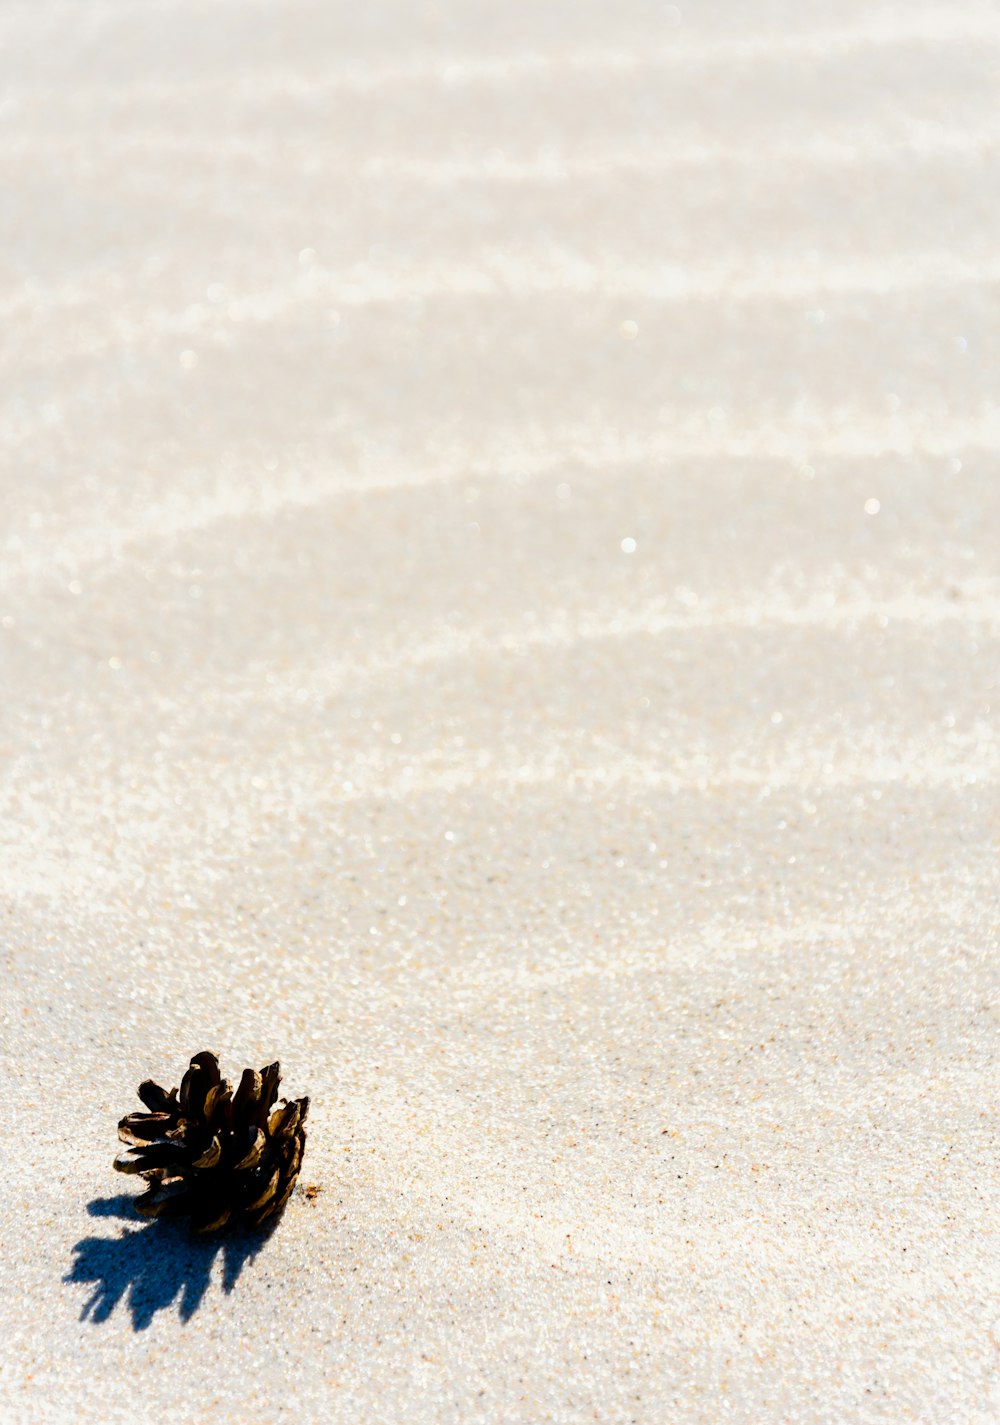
[[500, 610]]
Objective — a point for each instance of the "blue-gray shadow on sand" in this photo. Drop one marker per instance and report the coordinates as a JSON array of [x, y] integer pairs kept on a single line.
[[152, 1267]]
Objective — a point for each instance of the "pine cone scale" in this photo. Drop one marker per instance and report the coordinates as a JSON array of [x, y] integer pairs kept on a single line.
[[143, 1127], [210, 1157], [125, 1164], [208, 1221], [267, 1194], [199, 1080], [248, 1093], [162, 1154], [216, 1100], [252, 1158], [169, 1200], [157, 1100]]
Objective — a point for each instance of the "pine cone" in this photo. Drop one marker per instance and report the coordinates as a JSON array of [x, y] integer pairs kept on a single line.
[[218, 1157]]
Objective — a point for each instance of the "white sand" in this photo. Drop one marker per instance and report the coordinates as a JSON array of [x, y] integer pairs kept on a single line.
[[500, 608]]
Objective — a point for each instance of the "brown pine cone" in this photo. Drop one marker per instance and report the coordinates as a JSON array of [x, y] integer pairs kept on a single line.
[[218, 1157]]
